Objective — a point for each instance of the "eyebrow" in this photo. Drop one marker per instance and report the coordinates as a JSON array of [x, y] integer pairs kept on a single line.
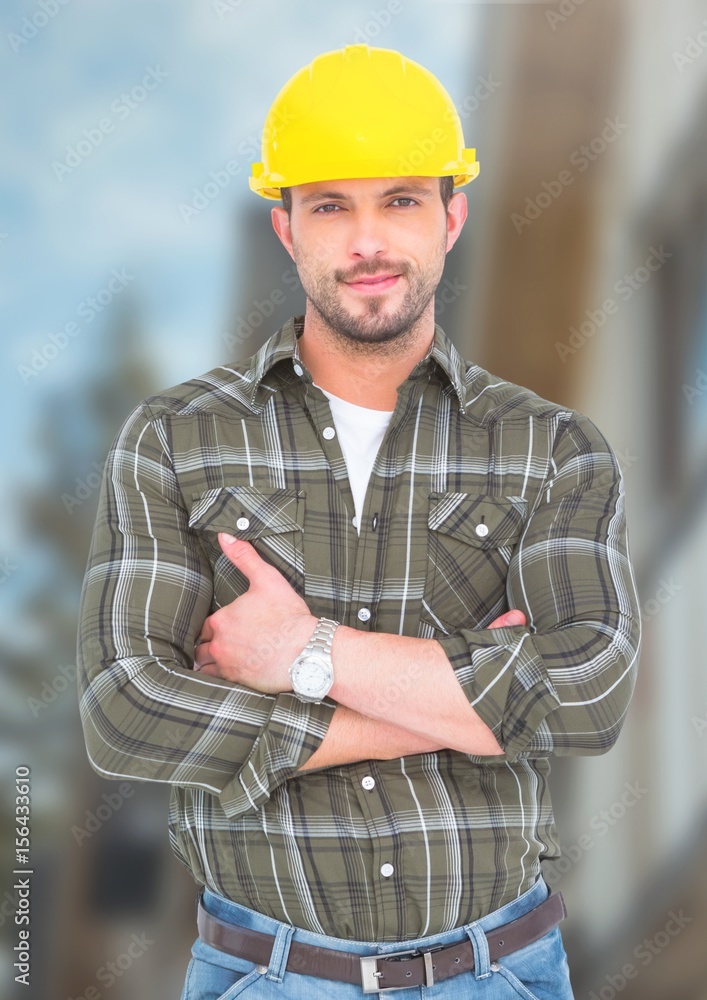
[[398, 189]]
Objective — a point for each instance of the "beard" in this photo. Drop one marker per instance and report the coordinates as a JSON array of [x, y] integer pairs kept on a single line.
[[375, 321]]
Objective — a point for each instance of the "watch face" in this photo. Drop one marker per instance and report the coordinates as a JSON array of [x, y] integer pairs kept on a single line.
[[312, 676]]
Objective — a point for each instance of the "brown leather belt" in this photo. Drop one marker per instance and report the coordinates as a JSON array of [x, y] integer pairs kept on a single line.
[[391, 970]]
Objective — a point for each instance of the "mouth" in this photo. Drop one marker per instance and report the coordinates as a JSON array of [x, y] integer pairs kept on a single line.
[[376, 283]]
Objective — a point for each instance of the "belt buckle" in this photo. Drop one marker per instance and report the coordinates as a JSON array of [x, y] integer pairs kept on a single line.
[[370, 973]]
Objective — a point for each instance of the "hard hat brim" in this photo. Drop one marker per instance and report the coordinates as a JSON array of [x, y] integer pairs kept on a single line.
[[269, 185]]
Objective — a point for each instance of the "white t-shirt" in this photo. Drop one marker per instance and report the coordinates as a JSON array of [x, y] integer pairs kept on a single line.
[[360, 431]]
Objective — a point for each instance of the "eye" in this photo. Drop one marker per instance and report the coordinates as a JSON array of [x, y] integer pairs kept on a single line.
[[322, 209]]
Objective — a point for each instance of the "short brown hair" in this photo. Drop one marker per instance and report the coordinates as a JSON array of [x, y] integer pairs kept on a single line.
[[446, 190]]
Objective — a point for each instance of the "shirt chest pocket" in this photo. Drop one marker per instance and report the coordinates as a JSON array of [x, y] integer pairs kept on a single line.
[[471, 539], [272, 520]]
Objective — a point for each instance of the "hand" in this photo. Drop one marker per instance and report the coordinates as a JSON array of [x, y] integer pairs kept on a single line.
[[513, 617], [254, 639]]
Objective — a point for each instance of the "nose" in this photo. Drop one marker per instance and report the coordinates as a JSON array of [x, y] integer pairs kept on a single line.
[[367, 236]]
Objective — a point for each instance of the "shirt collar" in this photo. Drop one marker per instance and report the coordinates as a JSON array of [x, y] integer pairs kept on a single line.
[[282, 346]]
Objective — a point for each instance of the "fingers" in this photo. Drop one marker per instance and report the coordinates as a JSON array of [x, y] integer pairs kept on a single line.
[[210, 669], [202, 656], [242, 554], [207, 631], [513, 617]]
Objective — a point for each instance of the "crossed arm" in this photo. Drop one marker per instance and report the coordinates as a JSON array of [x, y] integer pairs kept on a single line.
[[559, 685], [419, 685]]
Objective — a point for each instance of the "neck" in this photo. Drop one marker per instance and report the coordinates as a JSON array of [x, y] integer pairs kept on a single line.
[[365, 374]]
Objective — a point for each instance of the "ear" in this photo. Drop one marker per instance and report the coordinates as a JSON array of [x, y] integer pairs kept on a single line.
[[456, 216], [281, 225]]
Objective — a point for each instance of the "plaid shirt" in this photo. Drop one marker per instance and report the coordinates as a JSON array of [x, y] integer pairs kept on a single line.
[[254, 444]]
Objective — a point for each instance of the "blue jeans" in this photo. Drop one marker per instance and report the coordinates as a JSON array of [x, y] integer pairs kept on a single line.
[[537, 972]]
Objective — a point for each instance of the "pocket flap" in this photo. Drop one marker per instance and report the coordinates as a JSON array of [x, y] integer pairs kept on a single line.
[[486, 521], [267, 512]]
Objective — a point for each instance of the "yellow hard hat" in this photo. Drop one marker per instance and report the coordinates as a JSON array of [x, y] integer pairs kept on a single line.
[[361, 111]]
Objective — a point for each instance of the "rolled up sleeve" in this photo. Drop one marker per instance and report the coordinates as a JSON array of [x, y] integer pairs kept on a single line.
[[562, 683], [147, 590]]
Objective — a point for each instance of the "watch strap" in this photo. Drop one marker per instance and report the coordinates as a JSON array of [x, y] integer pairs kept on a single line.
[[322, 638], [320, 644]]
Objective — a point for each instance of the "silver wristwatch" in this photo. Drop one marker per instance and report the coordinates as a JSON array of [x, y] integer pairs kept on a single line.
[[312, 672]]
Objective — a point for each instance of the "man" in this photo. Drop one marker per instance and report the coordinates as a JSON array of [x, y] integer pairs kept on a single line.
[[349, 596]]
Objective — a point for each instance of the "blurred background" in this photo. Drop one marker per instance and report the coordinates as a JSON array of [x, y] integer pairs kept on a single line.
[[133, 256]]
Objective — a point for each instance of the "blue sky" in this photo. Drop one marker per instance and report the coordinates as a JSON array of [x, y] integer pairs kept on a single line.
[[220, 67], [68, 235]]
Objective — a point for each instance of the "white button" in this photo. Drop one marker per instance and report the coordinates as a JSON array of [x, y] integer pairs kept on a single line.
[[242, 523], [387, 870], [482, 529], [298, 369], [364, 614], [262, 969], [354, 521], [368, 782], [495, 967], [328, 433]]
